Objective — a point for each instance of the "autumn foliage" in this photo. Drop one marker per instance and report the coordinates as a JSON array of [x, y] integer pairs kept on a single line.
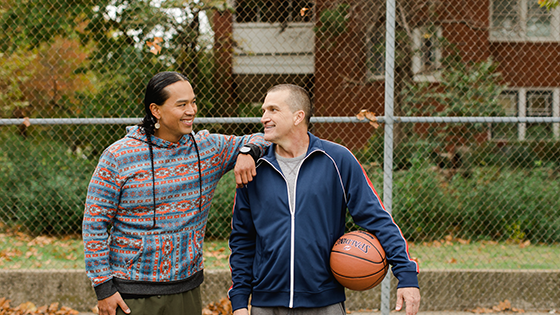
[[29, 308], [223, 307]]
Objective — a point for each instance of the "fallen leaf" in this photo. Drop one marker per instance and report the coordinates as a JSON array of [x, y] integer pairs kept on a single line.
[[154, 47], [502, 306], [26, 307], [53, 307], [42, 309], [4, 303], [481, 310], [67, 311], [365, 114], [41, 240], [463, 242], [223, 307]]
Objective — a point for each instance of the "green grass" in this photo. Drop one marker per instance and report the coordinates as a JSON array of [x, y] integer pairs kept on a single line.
[[486, 255], [20, 251]]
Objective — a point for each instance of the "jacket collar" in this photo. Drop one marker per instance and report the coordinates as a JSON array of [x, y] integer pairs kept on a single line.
[[315, 144]]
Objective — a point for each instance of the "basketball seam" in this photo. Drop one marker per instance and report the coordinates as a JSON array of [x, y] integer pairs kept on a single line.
[[360, 277]]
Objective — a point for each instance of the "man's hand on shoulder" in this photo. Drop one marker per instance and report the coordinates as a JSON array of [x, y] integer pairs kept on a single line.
[[244, 170], [410, 297]]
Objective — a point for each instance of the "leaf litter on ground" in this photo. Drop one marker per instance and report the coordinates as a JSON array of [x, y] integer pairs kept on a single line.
[[28, 308]]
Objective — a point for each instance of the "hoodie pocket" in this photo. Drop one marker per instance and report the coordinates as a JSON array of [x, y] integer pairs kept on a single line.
[[166, 257], [124, 251]]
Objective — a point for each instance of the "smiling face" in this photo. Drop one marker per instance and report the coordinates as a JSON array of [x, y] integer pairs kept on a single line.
[[278, 118], [176, 115]]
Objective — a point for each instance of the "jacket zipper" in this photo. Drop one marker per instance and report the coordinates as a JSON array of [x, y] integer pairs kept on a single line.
[[293, 224]]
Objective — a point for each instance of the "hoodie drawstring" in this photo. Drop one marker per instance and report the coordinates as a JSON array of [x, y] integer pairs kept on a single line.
[[199, 172], [154, 177], [153, 180]]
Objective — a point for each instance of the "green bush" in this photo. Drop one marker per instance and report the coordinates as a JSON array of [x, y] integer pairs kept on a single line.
[[492, 203], [518, 154], [43, 185], [403, 155], [219, 217]]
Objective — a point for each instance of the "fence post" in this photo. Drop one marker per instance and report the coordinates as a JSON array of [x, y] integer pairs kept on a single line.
[[388, 141]]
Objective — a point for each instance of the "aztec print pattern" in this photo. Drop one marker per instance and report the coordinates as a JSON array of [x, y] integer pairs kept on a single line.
[[120, 197]]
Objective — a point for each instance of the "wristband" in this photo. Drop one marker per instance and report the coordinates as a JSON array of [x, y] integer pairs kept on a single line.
[[251, 149]]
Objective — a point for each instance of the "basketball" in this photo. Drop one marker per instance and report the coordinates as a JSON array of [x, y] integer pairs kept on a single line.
[[358, 261]]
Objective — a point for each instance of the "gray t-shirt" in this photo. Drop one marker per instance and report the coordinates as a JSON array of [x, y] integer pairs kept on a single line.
[[290, 168]]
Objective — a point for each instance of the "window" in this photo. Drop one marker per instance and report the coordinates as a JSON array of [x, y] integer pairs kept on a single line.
[[375, 52], [254, 11], [427, 53], [503, 131], [528, 103], [426, 60], [539, 104], [523, 20]]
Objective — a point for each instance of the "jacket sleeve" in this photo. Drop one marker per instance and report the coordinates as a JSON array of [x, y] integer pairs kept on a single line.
[[368, 212], [242, 243], [229, 147], [100, 209]]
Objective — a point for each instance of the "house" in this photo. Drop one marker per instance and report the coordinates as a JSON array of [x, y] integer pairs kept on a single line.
[[336, 51]]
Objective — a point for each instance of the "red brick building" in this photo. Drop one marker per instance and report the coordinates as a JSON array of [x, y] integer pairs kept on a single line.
[[335, 50]]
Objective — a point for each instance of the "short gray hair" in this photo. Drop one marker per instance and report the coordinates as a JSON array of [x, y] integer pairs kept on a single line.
[[298, 99]]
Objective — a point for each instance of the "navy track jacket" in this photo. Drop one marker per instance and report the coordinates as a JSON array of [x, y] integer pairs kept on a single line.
[[280, 256]]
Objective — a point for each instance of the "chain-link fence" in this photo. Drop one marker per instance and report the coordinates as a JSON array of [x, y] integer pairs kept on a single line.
[[468, 193]]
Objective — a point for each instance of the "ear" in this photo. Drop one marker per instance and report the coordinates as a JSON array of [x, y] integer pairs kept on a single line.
[[299, 116], [154, 108]]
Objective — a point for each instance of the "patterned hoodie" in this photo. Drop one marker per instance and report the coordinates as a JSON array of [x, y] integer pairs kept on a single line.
[[147, 252]]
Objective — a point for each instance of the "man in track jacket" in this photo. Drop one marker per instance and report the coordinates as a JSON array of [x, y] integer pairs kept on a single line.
[[287, 219]]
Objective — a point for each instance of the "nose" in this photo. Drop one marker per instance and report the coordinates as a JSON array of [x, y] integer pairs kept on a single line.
[[264, 117], [190, 109]]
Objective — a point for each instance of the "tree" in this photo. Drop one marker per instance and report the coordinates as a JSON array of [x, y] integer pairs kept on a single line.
[[121, 29], [465, 89], [15, 71], [24, 25], [549, 4], [58, 79], [31, 38]]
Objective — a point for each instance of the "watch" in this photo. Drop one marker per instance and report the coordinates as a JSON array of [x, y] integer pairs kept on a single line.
[[245, 149], [253, 150]]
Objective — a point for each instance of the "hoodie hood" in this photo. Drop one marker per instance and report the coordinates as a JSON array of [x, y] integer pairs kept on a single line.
[[137, 132]]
